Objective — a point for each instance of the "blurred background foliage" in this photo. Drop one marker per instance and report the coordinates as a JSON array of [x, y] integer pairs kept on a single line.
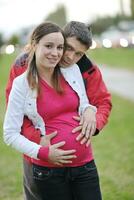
[[120, 22]]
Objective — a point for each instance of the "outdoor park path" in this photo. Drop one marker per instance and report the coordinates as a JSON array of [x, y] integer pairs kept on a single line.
[[119, 81]]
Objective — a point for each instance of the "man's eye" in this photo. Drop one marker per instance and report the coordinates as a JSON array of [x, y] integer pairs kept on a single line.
[[79, 54], [68, 48]]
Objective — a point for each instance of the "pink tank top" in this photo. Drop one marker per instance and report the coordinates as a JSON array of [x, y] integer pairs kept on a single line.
[[58, 110]]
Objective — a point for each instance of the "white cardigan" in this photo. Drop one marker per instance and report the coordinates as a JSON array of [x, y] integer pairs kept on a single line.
[[22, 102]]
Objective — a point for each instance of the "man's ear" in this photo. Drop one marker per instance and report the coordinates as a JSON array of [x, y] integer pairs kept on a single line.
[[27, 48]]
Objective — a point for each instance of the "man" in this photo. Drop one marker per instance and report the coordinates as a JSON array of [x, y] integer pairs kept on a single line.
[[77, 36]]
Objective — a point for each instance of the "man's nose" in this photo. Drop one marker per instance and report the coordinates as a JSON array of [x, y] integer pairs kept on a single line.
[[71, 56]]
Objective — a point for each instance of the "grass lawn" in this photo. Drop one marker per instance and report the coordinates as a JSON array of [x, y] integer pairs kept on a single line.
[[10, 164], [5, 63], [121, 57], [113, 150]]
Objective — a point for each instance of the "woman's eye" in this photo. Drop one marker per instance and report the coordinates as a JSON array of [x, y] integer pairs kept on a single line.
[[48, 46], [61, 48]]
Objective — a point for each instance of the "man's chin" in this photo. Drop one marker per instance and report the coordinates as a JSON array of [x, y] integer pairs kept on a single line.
[[64, 64]]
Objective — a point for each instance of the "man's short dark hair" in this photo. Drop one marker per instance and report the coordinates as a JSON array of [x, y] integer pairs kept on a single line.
[[80, 30]]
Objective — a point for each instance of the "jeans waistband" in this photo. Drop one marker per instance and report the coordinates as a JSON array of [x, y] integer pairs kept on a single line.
[[64, 168]]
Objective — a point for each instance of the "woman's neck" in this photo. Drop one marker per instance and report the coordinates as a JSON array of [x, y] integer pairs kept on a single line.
[[46, 74]]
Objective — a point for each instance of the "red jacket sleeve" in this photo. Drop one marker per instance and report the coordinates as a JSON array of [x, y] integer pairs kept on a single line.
[[14, 72], [98, 96], [28, 129]]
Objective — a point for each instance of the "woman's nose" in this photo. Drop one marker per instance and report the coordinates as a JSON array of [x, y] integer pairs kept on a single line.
[[54, 52]]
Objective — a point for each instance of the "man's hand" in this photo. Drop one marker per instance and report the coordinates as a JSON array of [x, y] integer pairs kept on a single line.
[[46, 139], [60, 157], [87, 126]]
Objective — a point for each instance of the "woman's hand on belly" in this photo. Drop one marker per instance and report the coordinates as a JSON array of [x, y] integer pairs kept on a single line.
[[56, 155], [46, 139], [60, 157]]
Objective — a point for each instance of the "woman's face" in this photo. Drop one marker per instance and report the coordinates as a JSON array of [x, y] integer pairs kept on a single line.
[[49, 50]]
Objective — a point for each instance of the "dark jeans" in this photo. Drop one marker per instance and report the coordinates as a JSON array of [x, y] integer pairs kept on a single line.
[[69, 183], [30, 188]]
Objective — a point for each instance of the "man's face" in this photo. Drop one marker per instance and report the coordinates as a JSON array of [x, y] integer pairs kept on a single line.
[[74, 51]]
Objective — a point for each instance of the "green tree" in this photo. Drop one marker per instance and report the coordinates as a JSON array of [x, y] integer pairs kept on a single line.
[[58, 16], [122, 7], [1, 40], [132, 8], [101, 24], [14, 39]]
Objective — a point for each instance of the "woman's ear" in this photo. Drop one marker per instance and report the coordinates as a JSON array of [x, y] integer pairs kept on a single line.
[[34, 46]]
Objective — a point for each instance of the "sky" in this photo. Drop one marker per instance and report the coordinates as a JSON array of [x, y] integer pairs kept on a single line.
[[16, 14]]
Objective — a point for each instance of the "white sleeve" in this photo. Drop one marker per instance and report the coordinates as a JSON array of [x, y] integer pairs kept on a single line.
[[14, 120], [84, 99]]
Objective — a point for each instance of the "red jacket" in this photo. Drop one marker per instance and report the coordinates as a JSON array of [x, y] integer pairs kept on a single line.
[[96, 90]]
